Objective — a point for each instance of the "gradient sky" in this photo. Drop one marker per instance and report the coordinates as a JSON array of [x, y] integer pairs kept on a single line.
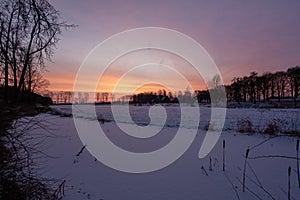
[[241, 36]]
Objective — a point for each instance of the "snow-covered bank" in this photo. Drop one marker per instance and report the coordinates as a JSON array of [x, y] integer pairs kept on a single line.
[[237, 119], [186, 178]]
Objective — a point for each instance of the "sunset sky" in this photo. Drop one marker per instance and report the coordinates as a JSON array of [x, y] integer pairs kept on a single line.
[[240, 36]]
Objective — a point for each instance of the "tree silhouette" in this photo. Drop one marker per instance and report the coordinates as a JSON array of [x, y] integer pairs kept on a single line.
[[279, 85], [294, 79], [29, 31]]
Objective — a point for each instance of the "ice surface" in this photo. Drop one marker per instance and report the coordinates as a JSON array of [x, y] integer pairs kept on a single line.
[[87, 178]]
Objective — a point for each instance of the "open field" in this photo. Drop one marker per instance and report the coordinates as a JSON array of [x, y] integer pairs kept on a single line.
[[266, 174]]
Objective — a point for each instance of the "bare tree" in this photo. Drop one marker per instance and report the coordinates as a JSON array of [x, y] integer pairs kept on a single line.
[[294, 81], [86, 97], [38, 83], [29, 31], [98, 94], [280, 79], [265, 79]]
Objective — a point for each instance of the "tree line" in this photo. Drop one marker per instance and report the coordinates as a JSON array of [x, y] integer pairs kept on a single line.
[[69, 97], [161, 96], [29, 31], [278, 86]]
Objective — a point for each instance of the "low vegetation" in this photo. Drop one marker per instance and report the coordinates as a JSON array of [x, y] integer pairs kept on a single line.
[[18, 176]]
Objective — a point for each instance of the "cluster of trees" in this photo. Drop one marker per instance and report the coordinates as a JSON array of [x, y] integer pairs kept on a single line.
[[162, 96], [268, 86], [153, 98], [60, 97], [214, 95], [29, 30], [69, 97]]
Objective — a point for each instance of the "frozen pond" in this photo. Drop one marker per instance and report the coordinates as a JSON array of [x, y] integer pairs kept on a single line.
[[188, 177]]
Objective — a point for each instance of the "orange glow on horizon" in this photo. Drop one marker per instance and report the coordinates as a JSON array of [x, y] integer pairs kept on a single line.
[[107, 84], [153, 70]]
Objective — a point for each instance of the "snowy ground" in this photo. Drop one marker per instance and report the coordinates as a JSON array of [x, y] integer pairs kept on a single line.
[[186, 178]]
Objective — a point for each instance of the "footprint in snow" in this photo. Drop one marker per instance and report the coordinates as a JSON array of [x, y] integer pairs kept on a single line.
[[76, 161]]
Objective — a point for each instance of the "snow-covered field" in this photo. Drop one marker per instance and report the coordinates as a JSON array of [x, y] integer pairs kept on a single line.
[[188, 177]]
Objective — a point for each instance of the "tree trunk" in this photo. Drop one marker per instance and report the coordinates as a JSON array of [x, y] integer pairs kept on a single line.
[[6, 82], [29, 78], [26, 62], [7, 58]]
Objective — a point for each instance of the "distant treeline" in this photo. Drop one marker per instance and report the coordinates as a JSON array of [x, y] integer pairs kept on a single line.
[[161, 96], [69, 97], [278, 86]]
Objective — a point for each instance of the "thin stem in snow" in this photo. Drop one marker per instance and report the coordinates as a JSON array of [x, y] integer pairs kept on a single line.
[[244, 172], [298, 173]]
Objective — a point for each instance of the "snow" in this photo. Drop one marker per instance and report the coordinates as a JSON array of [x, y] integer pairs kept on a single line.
[[87, 178]]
